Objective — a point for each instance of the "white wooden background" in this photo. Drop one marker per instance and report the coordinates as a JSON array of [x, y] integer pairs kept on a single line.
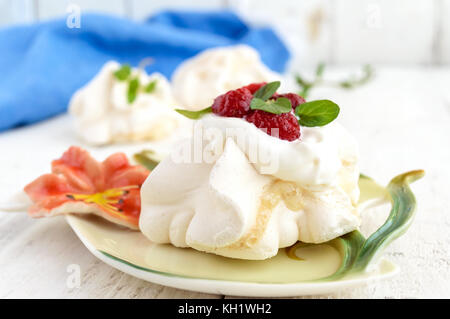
[[333, 31]]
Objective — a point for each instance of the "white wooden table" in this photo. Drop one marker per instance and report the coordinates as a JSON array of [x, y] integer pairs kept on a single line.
[[402, 122]]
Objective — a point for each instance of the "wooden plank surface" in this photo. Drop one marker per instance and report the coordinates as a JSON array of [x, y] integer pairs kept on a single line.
[[338, 31], [142, 9], [305, 26], [51, 9], [368, 31], [17, 12]]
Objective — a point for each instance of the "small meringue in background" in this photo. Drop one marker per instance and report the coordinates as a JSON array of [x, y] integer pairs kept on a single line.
[[103, 113], [197, 81]]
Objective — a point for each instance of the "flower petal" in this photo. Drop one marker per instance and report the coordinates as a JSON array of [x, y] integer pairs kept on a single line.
[[80, 184]]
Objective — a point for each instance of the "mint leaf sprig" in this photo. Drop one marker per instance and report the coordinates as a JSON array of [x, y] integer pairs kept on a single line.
[[316, 113], [279, 106], [151, 87], [310, 114], [134, 85], [123, 73], [266, 91], [262, 100], [350, 83], [194, 115], [147, 158]]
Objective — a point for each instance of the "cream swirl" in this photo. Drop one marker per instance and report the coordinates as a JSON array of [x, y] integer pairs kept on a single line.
[[314, 159]]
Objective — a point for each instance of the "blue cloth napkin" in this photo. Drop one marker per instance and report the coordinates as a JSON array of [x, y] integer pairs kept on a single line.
[[43, 64]]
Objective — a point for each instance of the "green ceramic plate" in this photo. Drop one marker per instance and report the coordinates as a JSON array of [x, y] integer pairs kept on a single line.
[[297, 270]]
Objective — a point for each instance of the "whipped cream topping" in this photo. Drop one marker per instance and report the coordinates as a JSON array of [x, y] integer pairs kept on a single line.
[[314, 159], [231, 204], [103, 115], [197, 81]]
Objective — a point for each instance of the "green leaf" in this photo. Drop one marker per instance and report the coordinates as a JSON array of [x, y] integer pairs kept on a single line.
[[284, 103], [257, 104], [266, 91], [350, 83], [354, 82], [319, 70], [305, 91], [149, 88], [300, 81], [317, 113], [146, 159], [123, 73], [278, 106], [304, 85], [194, 115], [133, 87], [346, 84]]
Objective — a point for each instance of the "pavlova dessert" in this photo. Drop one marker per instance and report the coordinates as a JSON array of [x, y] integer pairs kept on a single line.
[[261, 171], [122, 104], [218, 70]]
